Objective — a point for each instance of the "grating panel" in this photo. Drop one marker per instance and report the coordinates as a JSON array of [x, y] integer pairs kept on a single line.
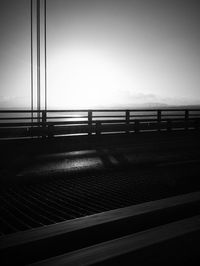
[[26, 206]]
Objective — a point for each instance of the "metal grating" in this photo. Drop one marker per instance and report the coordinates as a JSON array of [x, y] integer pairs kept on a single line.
[[26, 206]]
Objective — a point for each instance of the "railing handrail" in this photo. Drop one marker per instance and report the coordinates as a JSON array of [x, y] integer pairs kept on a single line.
[[100, 110], [43, 123]]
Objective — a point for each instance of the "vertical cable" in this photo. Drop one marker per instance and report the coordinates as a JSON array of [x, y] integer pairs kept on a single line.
[[31, 3], [45, 51], [38, 59]]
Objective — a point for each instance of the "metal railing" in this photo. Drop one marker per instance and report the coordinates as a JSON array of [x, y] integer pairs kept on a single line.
[[54, 123]]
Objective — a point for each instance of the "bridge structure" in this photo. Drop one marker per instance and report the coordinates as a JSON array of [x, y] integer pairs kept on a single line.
[[41, 122], [54, 123], [148, 212], [143, 205], [38, 55]]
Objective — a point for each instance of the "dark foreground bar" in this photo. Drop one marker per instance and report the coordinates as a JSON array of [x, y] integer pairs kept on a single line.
[[173, 243], [83, 240]]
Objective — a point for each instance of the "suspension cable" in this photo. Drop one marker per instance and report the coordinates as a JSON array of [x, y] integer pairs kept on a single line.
[[45, 51], [38, 59], [31, 9]]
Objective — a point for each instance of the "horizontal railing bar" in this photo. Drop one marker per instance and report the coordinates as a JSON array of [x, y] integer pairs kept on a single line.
[[24, 124], [20, 111], [166, 109], [181, 115], [144, 115], [109, 121], [143, 110], [192, 111], [154, 119], [40, 117], [68, 122], [62, 117], [17, 118], [74, 117], [107, 116], [85, 122], [101, 110], [123, 110], [69, 111]]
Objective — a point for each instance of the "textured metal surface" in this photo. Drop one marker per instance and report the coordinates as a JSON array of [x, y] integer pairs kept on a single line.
[[26, 206]]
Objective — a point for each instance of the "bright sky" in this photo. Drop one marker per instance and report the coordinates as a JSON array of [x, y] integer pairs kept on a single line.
[[106, 53]]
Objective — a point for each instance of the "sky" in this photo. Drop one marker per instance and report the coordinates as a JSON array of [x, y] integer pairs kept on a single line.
[[106, 53]]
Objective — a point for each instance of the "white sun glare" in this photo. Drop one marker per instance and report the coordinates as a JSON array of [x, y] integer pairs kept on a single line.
[[84, 79]]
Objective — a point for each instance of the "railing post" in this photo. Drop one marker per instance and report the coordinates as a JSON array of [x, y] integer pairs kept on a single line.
[[159, 113], [44, 120], [89, 122], [98, 128], [127, 121], [186, 119], [197, 120], [169, 125], [137, 126], [50, 131]]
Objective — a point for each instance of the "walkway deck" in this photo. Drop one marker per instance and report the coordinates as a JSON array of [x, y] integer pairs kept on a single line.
[[45, 185]]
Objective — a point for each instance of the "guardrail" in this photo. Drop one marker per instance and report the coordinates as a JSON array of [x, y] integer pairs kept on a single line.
[[54, 123]]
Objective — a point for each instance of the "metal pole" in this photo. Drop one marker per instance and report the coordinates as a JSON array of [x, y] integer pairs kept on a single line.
[[38, 58], [127, 121], [31, 3], [45, 50]]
